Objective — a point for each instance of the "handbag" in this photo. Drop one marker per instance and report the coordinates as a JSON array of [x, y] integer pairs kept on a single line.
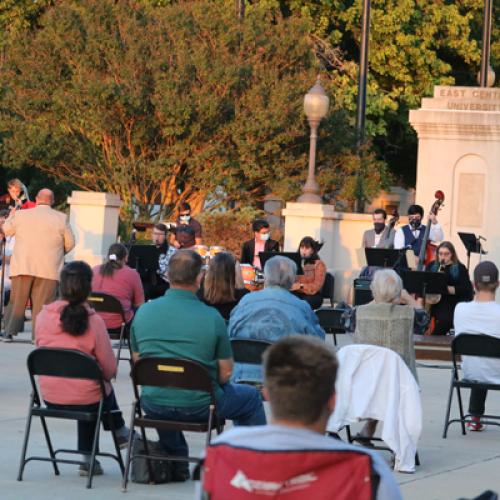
[[162, 469]]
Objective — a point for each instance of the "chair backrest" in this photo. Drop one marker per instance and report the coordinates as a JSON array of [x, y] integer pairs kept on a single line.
[[172, 373], [103, 302], [249, 350], [328, 289], [468, 344], [241, 473], [330, 319]]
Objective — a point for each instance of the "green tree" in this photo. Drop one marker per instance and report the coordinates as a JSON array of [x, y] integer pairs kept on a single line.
[[164, 104]]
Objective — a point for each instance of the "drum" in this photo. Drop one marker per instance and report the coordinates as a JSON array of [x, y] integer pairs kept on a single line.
[[214, 250], [202, 250], [249, 274]]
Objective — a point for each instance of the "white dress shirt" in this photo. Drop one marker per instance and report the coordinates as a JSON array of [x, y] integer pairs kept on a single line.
[[435, 234]]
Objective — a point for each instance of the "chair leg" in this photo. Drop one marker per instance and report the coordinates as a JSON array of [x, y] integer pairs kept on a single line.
[[120, 346], [448, 409], [348, 432], [49, 445], [95, 445], [334, 339], [462, 415], [129, 449], [25, 447], [115, 441], [417, 459]]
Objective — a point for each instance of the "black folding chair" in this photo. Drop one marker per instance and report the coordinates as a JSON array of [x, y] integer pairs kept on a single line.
[[328, 289], [330, 320], [174, 374], [467, 344], [66, 363], [249, 351], [103, 302]]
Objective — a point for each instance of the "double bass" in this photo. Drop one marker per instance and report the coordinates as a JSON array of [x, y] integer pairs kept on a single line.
[[427, 250]]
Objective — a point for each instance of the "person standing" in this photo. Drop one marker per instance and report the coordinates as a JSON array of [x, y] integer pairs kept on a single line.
[[43, 237], [185, 220], [382, 235], [261, 242]]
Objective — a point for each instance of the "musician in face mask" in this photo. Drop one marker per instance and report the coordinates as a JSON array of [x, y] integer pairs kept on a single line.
[[459, 287], [382, 235], [261, 242], [185, 219], [309, 285], [411, 235]]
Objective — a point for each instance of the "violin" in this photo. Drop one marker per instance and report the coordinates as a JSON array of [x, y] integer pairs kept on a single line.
[[428, 251]]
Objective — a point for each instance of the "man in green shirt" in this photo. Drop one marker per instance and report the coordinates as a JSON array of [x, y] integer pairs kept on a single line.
[[178, 325]]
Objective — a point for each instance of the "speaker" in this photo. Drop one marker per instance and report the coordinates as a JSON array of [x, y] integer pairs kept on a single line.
[[362, 292]]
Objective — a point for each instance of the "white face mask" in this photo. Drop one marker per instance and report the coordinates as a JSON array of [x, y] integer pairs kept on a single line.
[[264, 237], [185, 218]]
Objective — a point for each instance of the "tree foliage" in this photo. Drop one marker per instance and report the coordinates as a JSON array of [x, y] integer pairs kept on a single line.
[[168, 103]]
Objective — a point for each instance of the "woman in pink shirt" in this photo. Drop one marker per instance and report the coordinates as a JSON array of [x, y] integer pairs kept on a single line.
[[115, 278], [69, 323]]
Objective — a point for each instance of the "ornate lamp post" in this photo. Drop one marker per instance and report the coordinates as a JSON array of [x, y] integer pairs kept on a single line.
[[316, 104]]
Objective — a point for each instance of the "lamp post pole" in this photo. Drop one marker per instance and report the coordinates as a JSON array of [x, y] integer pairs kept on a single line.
[[315, 108], [485, 50]]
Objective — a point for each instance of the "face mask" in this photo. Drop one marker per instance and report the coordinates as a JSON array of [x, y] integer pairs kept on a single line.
[[379, 227], [415, 224], [264, 237], [185, 218]]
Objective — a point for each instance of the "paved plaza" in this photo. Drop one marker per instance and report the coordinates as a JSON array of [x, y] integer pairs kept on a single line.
[[458, 467]]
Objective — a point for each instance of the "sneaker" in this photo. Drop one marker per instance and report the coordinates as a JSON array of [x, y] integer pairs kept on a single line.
[[7, 338], [475, 425], [84, 469]]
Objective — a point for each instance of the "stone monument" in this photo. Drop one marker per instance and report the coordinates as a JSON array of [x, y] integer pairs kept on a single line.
[[459, 153]]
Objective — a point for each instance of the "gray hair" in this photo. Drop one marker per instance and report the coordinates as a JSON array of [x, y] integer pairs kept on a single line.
[[386, 286], [280, 271]]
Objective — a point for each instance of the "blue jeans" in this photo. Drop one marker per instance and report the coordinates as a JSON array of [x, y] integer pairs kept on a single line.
[[240, 403]]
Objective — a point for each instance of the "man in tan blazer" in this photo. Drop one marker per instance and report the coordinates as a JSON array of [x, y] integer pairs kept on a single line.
[[43, 236]]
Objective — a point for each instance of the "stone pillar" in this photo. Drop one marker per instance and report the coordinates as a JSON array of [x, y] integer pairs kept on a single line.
[[342, 236], [459, 153], [94, 220]]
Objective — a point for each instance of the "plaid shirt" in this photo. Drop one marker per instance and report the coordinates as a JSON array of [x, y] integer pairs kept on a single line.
[[313, 277]]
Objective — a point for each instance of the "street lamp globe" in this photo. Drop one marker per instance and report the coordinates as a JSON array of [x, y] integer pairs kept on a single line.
[[316, 103]]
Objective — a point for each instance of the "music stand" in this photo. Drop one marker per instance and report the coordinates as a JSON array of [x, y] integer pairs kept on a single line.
[[472, 244], [295, 256], [425, 282], [386, 257], [143, 258]]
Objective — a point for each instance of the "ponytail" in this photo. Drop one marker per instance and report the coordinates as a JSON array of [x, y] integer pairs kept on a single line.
[[116, 258]]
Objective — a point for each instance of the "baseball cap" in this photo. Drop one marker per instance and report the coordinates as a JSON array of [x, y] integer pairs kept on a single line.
[[486, 272]]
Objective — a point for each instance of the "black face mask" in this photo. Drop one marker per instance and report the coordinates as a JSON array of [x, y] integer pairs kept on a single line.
[[415, 224], [379, 227]]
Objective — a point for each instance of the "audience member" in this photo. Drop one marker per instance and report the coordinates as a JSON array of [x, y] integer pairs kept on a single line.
[[43, 236], [219, 287], [387, 322], [272, 313], [178, 325], [115, 278], [299, 382], [481, 316], [69, 323], [310, 285], [459, 287], [8, 241]]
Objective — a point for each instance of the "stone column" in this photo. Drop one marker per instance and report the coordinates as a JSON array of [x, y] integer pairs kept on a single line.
[[459, 153], [94, 220], [342, 236]]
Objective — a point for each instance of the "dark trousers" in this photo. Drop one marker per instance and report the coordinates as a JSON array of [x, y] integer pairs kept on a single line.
[[477, 401], [86, 430], [315, 301]]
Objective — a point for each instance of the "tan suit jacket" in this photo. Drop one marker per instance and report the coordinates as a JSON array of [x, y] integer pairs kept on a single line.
[[43, 236]]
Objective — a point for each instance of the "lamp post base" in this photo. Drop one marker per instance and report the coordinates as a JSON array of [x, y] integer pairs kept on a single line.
[[309, 197]]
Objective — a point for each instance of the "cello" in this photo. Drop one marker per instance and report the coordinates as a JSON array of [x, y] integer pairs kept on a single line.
[[427, 250]]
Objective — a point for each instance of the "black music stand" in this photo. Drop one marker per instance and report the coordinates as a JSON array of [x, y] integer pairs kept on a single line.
[[472, 244], [143, 258], [386, 257], [295, 256], [425, 282]]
